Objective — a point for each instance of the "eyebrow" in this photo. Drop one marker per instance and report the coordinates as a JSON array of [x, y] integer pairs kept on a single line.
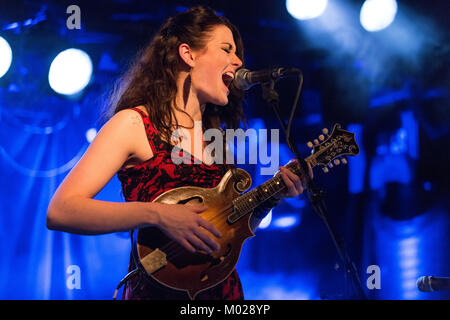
[[229, 44]]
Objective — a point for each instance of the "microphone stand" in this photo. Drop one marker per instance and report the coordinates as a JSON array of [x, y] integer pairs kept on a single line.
[[315, 193]]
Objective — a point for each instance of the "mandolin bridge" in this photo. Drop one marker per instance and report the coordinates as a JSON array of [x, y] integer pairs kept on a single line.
[[154, 261]]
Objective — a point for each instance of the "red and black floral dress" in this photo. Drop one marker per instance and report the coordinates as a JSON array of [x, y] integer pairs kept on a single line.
[[146, 181]]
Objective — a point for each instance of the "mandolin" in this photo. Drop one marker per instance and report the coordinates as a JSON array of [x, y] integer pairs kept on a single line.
[[229, 209]]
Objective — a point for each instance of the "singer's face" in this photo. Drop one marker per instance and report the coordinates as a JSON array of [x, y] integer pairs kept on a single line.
[[215, 66]]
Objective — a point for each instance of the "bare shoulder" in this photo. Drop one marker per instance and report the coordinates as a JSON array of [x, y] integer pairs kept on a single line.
[[126, 118], [129, 129], [119, 141]]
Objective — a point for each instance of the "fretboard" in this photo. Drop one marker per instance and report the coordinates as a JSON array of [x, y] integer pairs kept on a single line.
[[248, 201]]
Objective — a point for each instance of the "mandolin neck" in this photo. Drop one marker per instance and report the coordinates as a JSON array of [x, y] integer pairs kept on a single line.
[[248, 201]]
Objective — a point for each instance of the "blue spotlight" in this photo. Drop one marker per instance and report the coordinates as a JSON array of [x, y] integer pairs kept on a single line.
[[306, 9], [70, 71], [376, 15], [5, 56]]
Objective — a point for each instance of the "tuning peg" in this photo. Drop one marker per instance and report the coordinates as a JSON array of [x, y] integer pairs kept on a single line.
[[309, 144], [325, 169], [321, 137], [344, 161], [316, 141], [336, 162], [330, 165], [325, 131]]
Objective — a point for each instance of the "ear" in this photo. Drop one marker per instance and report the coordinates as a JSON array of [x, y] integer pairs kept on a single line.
[[186, 54]]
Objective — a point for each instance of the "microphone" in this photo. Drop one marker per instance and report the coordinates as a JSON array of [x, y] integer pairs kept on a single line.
[[245, 79], [430, 283]]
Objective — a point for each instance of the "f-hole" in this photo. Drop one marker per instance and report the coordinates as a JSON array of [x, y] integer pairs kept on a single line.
[[200, 199]]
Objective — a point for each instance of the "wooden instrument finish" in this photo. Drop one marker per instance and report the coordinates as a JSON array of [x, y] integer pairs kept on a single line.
[[229, 209]]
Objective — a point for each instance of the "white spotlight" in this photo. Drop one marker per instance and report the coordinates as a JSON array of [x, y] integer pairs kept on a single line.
[[376, 15], [266, 221], [306, 9], [70, 71], [91, 134], [286, 221], [5, 56]]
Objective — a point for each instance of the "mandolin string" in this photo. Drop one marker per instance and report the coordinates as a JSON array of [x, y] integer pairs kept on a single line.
[[215, 217], [173, 246], [174, 249], [219, 215]]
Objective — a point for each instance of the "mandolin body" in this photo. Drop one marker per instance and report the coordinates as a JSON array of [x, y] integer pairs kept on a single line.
[[170, 264]]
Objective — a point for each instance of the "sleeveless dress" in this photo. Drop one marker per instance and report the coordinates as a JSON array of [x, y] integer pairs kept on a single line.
[[147, 180]]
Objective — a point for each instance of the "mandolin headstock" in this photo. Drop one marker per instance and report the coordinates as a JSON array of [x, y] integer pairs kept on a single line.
[[329, 150]]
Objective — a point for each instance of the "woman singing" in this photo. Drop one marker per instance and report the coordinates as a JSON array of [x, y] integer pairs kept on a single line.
[[182, 77]]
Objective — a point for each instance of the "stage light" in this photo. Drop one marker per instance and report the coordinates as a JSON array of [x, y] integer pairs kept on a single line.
[[408, 256], [286, 221], [306, 9], [91, 134], [266, 221], [5, 56], [70, 71], [376, 15]]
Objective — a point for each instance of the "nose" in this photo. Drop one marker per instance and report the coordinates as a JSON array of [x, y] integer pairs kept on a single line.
[[236, 62]]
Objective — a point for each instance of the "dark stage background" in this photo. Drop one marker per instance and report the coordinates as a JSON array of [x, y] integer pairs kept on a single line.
[[390, 204]]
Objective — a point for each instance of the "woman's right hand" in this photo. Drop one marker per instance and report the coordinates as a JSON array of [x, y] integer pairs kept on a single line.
[[183, 223]]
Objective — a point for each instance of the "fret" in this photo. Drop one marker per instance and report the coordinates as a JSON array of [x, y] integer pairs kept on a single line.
[[259, 194], [248, 201], [278, 184], [272, 187], [265, 190], [254, 194]]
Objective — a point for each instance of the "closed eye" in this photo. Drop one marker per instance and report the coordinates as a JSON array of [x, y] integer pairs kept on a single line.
[[226, 50]]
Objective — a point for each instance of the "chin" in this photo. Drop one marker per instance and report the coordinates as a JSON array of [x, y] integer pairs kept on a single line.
[[220, 102], [223, 103], [219, 99]]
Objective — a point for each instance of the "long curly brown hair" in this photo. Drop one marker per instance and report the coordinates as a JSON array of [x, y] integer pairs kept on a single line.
[[151, 79]]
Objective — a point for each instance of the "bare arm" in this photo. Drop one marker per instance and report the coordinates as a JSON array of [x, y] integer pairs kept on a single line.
[[73, 209]]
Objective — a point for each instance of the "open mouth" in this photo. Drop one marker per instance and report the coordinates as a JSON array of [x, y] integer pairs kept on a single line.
[[228, 78]]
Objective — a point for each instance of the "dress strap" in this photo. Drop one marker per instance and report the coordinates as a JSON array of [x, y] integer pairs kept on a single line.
[[152, 134]]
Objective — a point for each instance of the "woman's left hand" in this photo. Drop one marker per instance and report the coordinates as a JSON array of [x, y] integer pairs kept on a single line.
[[295, 184]]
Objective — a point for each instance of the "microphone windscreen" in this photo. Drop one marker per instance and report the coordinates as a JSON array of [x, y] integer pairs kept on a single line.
[[424, 284], [240, 79]]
